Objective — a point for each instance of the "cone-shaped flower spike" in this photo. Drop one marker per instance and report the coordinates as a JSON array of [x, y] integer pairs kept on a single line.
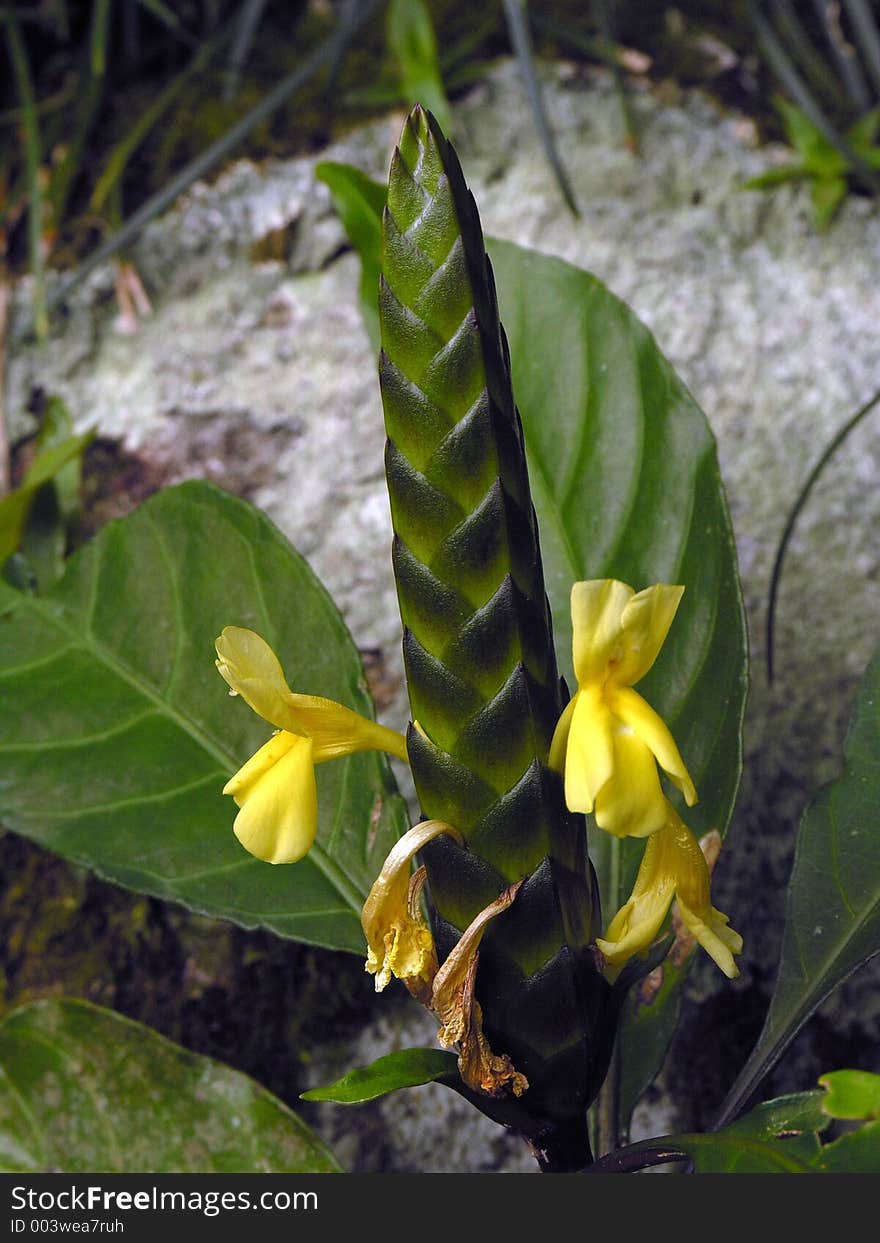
[[478, 649]]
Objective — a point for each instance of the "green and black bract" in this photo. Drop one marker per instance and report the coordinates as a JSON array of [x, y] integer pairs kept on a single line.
[[484, 689]]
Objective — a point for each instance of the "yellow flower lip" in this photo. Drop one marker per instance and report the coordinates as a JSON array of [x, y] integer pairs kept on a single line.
[[275, 789], [609, 740], [673, 868]]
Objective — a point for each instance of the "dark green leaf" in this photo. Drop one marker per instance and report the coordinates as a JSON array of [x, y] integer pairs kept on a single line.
[[625, 480], [84, 1090], [855, 1153], [832, 920], [117, 734], [647, 1025], [45, 466], [407, 1068]]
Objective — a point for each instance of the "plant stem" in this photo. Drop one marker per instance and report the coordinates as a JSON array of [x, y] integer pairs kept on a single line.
[[608, 1107]]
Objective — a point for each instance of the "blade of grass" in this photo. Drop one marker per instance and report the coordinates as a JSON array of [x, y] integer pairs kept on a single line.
[[88, 101], [604, 20], [5, 465], [844, 54], [249, 18], [812, 65], [33, 159], [346, 29], [124, 150], [208, 159], [517, 24], [868, 36], [799, 504], [627, 58]]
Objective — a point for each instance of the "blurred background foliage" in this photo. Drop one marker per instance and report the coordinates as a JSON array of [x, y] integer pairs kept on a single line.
[[106, 103]]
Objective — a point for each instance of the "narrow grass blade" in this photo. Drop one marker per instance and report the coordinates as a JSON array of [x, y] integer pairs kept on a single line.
[[868, 36], [208, 159], [844, 55], [33, 159], [249, 18], [602, 11], [517, 24], [799, 504]]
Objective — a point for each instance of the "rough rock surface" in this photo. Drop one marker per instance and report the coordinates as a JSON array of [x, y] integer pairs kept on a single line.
[[254, 370]]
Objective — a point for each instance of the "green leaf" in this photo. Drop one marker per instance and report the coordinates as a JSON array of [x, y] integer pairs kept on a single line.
[[818, 153], [83, 1090], [851, 1094], [15, 506], [359, 202], [855, 1153], [625, 480], [826, 194], [832, 922], [407, 1068], [647, 1025], [779, 1137], [117, 734], [412, 40]]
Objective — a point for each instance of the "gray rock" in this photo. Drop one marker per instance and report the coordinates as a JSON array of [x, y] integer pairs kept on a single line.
[[257, 371]]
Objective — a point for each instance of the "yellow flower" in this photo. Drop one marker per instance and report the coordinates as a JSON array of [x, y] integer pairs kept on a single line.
[[673, 867], [399, 942], [275, 789], [609, 741]]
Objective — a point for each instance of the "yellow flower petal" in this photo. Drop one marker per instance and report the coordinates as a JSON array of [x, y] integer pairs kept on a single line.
[[718, 940], [637, 923], [276, 792], [248, 664], [644, 625], [629, 707], [336, 730], [589, 756], [631, 803], [559, 743], [597, 608]]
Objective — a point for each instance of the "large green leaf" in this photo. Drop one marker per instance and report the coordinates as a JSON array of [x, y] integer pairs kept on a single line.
[[84, 1090], [117, 734], [832, 923], [625, 481]]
